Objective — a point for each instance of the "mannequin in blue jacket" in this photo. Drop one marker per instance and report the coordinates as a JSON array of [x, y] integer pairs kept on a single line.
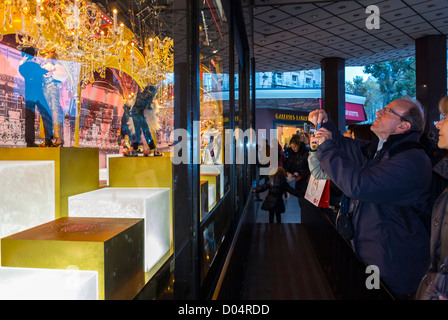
[[389, 191], [33, 75]]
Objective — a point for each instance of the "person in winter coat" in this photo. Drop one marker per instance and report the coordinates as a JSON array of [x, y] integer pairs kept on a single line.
[[428, 288], [273, 202], [390, 191], [281, 156], [296, 165]]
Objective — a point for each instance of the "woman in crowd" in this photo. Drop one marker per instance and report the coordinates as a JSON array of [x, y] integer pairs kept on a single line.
[[433, 286], [296, 165], [277, 186]]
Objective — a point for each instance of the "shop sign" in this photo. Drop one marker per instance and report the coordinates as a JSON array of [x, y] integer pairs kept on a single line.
[[226, 119], [290, 117]]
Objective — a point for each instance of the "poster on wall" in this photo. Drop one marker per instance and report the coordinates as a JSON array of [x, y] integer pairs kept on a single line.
[[58, 92], [101, 104]]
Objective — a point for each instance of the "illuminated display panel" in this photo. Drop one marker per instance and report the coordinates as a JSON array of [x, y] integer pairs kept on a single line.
[[33, 180], [47, 284]]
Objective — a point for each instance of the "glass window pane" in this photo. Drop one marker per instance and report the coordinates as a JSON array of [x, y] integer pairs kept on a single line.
[[98, 84], [214, 103], [214, 96]]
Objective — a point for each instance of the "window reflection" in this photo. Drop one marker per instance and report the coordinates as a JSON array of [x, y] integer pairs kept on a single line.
[[214, 104]]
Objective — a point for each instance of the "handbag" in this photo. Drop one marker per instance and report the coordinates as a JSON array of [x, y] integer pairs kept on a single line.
[[344, 219], [434, 284], [318, 192]]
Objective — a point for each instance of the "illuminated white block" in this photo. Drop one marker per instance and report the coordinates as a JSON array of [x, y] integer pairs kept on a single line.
[[151, 204], [27, 195], [104, 175], [47, 284], [211, 196], [215, 168]]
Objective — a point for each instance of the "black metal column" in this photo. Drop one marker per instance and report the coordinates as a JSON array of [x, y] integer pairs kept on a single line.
[[333, 89], [430, 60], [186, 192]]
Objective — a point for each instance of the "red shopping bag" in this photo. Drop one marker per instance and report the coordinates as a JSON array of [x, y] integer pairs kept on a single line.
[[318, 192]]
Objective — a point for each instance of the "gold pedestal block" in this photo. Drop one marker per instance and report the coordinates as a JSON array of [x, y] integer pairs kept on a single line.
[[113, 247], [213, 179], [76, 170], [141, 172]]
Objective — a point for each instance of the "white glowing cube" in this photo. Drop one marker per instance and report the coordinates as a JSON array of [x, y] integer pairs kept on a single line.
[[104, 175], [27, 195], [151, 204], [211, 196], [47, 284], [215, 168]]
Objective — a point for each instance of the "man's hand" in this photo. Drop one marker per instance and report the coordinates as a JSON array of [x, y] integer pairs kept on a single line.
[[320, 136], [318, 116]]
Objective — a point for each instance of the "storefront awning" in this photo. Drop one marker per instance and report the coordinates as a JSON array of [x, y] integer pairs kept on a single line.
[[354, 112]]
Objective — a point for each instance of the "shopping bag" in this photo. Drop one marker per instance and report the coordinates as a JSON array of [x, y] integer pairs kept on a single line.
[[318, 192]]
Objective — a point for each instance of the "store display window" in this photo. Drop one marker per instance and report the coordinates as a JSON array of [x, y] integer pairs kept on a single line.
[[213, 103], [86, 137], [91, 96]]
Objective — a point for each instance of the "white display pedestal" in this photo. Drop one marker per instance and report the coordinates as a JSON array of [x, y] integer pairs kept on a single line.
[[104, 175], [215, 168], [151, 204], [47, 284], [27, 195], [211, 196]]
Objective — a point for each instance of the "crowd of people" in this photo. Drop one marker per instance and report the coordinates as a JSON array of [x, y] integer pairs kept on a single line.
[[393, 179]]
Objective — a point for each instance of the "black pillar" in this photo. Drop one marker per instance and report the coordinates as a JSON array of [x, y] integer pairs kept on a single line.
[[431, 76], [333, 90], [186, 189]]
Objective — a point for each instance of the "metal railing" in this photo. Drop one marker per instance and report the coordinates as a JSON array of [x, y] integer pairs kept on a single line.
[[344, 271]]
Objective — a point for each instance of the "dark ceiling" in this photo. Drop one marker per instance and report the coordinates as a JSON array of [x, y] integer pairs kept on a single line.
[[297, 35], [143, 17]]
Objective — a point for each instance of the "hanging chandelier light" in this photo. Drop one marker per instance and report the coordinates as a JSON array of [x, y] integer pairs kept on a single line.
[[77, 30]]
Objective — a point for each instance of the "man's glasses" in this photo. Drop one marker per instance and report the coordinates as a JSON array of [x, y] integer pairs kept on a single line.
[[389, 110]]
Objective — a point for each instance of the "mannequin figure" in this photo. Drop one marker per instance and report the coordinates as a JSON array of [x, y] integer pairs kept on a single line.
[[34, 75], [212, 140], [52, 91], [139, 114]]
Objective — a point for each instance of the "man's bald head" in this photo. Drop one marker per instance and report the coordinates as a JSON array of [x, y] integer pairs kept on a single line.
[[412, 111]]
